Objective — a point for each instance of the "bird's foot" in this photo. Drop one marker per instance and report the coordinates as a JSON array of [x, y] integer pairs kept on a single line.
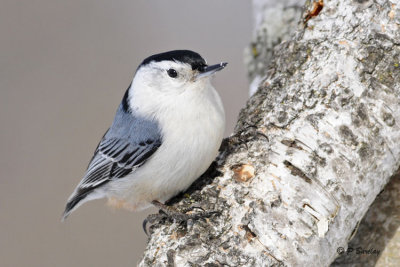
[[168, 212], [247, 134]]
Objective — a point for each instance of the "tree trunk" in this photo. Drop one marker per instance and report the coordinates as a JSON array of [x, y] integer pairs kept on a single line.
[[312, 149], [274, 22]]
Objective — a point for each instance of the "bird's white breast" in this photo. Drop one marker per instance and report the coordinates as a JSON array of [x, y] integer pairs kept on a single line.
[[192, 125]]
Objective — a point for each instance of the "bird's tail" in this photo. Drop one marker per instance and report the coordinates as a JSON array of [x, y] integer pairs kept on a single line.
[[78, 197], [74, 201], [82, 195]]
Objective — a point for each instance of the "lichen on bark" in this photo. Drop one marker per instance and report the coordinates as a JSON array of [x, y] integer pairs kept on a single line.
[[321, 133]]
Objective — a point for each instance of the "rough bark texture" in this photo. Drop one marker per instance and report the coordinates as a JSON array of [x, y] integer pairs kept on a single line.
[[321, 135], [369, 247]]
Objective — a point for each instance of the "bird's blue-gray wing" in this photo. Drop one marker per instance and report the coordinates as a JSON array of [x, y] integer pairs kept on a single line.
[[127, 144]]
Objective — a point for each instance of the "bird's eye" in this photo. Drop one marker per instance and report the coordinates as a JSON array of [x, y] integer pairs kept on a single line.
[[172, 73]]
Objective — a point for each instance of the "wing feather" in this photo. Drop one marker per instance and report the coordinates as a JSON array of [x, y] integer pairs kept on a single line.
[[117, 159], [128, 144]]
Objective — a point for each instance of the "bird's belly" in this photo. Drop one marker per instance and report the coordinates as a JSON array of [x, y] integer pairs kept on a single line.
[[183, 157]]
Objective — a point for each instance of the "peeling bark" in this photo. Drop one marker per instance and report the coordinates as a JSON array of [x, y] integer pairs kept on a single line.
[[321, 137]]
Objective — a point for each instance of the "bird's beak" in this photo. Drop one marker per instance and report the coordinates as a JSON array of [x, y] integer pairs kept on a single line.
[[210, 70]]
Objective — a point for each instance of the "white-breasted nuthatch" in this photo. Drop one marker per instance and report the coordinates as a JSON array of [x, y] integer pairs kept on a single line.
[[165, 134]]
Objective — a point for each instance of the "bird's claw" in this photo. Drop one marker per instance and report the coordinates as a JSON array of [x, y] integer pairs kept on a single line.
[[168, 212]]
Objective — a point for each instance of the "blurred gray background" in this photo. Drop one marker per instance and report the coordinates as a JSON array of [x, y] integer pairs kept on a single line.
[[64, 66]]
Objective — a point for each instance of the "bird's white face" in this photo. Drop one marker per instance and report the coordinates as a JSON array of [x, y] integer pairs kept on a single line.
[[165, 85], [170, 77]]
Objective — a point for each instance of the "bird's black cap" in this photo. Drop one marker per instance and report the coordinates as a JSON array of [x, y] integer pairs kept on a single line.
[[185, 56]]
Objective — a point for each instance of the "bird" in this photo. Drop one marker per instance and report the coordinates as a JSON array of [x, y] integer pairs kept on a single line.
[[166, 132]]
